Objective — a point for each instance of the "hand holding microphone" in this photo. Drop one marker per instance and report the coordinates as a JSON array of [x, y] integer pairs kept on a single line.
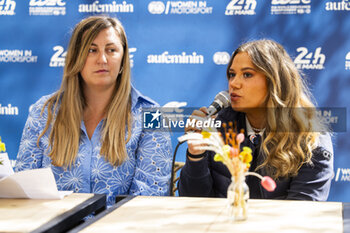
[[221, 100]]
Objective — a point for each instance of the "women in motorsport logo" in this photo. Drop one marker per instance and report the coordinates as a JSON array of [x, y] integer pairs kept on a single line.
[[180, 7], [17, 56], [343, 174]]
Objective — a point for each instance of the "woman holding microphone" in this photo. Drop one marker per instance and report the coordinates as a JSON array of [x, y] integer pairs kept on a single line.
[[272, 104]]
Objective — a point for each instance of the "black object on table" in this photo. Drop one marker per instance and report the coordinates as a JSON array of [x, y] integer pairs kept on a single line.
[[74, 217]]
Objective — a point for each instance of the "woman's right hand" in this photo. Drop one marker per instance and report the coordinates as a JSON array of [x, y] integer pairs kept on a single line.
[[201, 113]]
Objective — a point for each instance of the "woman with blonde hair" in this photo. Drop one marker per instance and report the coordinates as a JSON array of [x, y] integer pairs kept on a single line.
[[90, 131], [272, 104]]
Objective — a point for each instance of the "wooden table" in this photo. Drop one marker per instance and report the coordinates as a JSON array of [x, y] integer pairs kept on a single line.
[[183, 214], [28, 215]]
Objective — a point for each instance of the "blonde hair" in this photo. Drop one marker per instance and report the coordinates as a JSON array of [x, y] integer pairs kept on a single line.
[[292, 129], [65, 126]]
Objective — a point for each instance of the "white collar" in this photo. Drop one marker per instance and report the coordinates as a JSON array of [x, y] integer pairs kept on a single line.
[[250, 131]]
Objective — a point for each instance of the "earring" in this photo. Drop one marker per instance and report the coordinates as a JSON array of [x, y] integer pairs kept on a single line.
[[121, 70]]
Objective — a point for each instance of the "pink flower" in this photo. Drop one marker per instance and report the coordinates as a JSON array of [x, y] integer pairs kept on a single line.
[[240, 138], [268, 183]]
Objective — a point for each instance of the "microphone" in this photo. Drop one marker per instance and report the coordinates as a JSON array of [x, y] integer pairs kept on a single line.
[[221, 100]]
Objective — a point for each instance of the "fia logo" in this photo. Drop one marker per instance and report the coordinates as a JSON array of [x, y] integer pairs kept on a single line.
[[310, 61], [152, 120], [221, 58], [46, 3], [59, 57], [156, 7], [347, 61], [241, 7], [7, 7]]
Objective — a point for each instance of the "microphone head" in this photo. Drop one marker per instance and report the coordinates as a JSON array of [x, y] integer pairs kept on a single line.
[[224, 98], [221, 100]]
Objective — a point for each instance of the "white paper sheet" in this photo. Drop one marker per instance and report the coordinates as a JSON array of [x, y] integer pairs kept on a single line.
[[35, 184]]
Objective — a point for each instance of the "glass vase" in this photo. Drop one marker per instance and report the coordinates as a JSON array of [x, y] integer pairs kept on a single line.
[[237, 196]]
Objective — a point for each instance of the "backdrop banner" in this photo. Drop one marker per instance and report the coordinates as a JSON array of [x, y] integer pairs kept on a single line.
[[179, 53]]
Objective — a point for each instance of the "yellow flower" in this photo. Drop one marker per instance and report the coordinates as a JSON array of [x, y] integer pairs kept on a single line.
[[246, 155], [247, 149], [2, 147], [218, 158], [206, 134]]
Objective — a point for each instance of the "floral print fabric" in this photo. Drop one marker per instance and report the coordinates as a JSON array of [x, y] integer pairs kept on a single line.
[[146, 171]]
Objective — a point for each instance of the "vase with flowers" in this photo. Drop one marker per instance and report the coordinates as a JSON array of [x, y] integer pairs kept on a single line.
[[237, 161]]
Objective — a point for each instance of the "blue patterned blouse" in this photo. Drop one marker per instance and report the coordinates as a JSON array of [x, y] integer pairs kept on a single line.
[[146, 171]]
